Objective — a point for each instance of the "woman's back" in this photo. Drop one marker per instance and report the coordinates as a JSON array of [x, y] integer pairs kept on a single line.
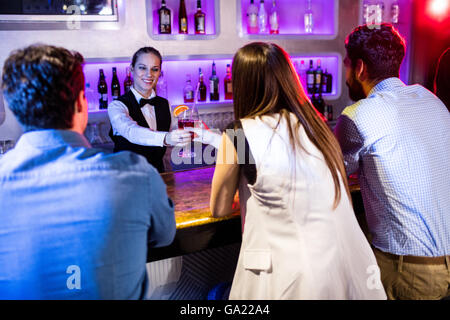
[[295, 246]]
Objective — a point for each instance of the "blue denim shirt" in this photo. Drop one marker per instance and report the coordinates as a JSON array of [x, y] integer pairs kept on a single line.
[[399, 139], [75, 222]]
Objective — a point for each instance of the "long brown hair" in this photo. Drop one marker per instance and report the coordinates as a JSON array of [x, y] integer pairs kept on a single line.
[[265, 82]]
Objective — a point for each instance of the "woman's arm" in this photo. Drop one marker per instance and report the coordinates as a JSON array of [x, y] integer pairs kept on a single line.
[[226, 179], [124, 125]]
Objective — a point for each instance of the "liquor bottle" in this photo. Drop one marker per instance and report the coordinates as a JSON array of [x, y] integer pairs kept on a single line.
[[395, 11], [262, 18], [310, 78], [165, 19], [182, 18], [199, 18], [161, 86], [273, 20], [380, 12], [103, 91], [213, 84], [128, 83], [115, 85], [252, 18], [201, 86], [90, 96], [308, 18], [318, 77], [324, 80], [328, 112], [302, 73], [320, 103], [188, 91], [329, 82], [365, 11], [227, 84]]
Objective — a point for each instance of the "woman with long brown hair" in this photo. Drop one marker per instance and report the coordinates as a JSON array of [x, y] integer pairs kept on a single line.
[[301, 239]]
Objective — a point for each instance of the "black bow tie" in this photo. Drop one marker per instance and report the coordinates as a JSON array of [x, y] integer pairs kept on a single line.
[[143, 102]]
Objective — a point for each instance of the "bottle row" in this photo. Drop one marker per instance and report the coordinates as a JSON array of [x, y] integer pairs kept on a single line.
[[192, 18], [259, 21], [189, 90], [102, 87], [314, 80], [378, 11], [200, 91], [286, 17], [165, 19]]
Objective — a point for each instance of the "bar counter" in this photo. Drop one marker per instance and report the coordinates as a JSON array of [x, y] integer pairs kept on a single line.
[[196, 228]]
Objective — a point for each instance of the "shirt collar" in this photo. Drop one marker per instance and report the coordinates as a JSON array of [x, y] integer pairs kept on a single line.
[[138, 96], [386, 84], [50, 138]]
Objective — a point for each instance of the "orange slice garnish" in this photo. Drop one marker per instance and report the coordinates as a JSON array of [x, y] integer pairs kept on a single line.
[[180, 109]]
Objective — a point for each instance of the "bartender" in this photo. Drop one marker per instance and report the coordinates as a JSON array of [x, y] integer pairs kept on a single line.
[[141, 120]]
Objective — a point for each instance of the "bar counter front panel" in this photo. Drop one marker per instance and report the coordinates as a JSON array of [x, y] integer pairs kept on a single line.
[[197, 230]]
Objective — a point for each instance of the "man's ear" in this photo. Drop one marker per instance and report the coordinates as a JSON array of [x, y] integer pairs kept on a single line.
[[80, 102], [361, 71]]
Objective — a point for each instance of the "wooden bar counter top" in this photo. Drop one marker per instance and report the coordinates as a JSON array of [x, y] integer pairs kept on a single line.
[[197, 230]]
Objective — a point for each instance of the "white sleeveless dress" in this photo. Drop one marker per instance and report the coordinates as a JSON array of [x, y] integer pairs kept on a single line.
[[294, 245]]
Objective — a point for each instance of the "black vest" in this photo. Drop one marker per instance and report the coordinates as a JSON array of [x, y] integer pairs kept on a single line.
[[154, 155]]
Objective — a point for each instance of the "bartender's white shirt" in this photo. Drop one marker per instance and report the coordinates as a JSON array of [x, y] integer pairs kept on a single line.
[[122, 124]]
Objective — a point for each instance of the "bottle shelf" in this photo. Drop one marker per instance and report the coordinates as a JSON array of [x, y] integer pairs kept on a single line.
[[209, 7], [291, 19]]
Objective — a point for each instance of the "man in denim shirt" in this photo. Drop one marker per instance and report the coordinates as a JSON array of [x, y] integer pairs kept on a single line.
[[75, 222], [398, 137]]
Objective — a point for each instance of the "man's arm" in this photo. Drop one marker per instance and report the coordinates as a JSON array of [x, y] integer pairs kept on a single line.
[[351, 142], [162, 225]]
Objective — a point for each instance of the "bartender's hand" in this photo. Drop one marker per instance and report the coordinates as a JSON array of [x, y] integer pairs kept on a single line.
[[206, 136], [178, 138]]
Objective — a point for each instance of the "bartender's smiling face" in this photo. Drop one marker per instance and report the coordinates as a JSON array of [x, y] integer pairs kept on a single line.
[[146, 72]]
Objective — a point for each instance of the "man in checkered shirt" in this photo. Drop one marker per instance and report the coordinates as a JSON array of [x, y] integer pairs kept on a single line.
[[397, 137]]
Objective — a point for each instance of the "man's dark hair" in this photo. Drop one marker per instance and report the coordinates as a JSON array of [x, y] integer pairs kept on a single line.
[[380, 47], [143, 50], [41, 84]]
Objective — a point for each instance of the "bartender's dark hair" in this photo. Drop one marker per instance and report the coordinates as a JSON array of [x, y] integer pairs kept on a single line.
[[145, 50], [265, 82], [41, 84], [380, 47]]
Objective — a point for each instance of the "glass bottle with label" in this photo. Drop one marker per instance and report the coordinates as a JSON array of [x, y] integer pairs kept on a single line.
[[188, 91], [227, 84], [318, 77], [213, 84], [115, 85], [128, 83], [273, 20], [102, 91], [165, 19], [308, 18], [328, 112], [302, 73], [182, 18], [262, 17], [161, 86], [90, 97], [199, 18], [380, 12], [252, 18], [310, 78], [395, 11], [201, 86]]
